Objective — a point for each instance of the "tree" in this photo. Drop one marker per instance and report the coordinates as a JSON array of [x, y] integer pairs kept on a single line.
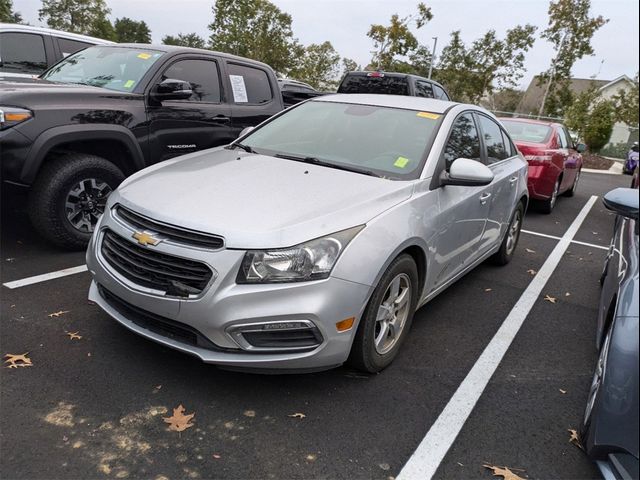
[[317, 66], [185, 40], [505, 100], [131, 31], [7, 15], [396, 39], [570, 31], [349, 65], [627, 104], [255, 29], [88, 17], [591, 117]]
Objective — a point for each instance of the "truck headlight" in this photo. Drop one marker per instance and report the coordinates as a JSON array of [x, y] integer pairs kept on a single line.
[[311, 260], [11, 116]]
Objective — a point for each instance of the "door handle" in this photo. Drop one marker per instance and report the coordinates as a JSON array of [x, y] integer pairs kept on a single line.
[[484, 197], [221, 119], [513, 180]]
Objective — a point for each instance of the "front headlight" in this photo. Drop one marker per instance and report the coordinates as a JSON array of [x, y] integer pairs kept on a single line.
[[10, 116], [311, 260]]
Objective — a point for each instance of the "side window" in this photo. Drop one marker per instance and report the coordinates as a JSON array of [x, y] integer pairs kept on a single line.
[[22, 53], [439, 93], [564, 143], [249, 85], [508, 145], [423, 89], [464, 141], [67, 47], [493, 141], [201, 74]]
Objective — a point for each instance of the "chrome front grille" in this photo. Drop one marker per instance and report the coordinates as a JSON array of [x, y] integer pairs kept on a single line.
[[169, 232], [144, 266]]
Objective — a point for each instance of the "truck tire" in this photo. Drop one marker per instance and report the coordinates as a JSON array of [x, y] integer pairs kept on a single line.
[[69, 195]]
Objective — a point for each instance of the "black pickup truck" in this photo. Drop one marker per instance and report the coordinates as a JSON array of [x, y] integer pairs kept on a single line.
[[73, 134]]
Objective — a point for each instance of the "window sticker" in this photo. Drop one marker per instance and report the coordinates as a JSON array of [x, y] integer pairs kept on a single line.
[[144, 56], [401, 162], [239, 89], [429, 115], [129, 83]]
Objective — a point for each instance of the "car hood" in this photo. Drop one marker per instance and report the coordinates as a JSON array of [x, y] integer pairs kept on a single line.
[[257, 201]]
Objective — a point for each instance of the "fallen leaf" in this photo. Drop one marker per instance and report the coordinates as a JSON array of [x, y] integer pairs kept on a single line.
[[57, 314], [505, 472], [528, 250], [12, 306], [562, 391], [9, 259], [488, 289], [74, 335], [575, 439], [385, 466], [216, 456], [16, 361], [311, 457], [250, 413], [567, 294], [532, 271], [89, 354], [595, 233], [179, 421], [297, 415], [550, 299]]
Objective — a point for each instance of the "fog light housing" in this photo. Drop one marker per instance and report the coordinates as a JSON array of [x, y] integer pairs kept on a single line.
[[282, 335]]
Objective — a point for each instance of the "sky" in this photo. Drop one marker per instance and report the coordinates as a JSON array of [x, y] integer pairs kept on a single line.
[[345, 23]]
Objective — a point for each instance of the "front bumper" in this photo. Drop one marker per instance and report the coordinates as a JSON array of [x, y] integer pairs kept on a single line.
[[224, 305]]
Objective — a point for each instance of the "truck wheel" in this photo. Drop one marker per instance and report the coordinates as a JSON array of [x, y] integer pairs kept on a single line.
[[387, 318], [69, 196]]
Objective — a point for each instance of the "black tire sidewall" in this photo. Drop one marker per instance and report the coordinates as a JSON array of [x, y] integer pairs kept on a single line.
[[502, 257]]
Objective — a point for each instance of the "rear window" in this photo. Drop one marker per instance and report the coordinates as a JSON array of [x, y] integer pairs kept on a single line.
[[527, 132], [372, 83], [22, 53]]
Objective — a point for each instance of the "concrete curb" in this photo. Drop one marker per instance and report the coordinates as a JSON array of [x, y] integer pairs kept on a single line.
[[605, 172]]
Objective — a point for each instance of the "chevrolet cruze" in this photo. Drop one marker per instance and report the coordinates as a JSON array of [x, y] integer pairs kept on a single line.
[[312, 239]]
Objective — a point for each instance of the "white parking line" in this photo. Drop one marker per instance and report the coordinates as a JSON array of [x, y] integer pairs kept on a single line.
[[538, 234], [45, 277], [427, 458]]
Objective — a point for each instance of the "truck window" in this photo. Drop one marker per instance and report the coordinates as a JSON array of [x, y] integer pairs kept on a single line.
[[424, 89], [201, 74], [249, 84], [22, 53], [374, 82], [439, 93], [67, 46]]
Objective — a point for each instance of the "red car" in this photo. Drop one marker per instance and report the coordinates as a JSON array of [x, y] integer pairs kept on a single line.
[[554, 160]]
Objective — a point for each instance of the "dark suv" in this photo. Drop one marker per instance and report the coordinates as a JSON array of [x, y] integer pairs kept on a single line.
[[391, 83], [73, 134]]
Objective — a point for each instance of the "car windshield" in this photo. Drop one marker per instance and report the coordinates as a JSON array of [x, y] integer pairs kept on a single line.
[[115, 68], [383, 141], [527, 132]]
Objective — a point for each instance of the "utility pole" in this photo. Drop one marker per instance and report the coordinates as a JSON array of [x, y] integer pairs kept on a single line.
[[433, 55], [551, 76]]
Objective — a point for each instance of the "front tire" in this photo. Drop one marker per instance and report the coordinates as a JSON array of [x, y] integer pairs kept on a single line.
[[69, 195], [387, 319], [511, 237]]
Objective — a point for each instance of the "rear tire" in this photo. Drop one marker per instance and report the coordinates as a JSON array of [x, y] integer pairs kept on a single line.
[[511, 237], [571, 192], [546, 206], [69, 195], [374, 348]]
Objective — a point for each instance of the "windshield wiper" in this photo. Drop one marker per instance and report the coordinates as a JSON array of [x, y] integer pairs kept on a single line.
[[324, 163], [246, 148]]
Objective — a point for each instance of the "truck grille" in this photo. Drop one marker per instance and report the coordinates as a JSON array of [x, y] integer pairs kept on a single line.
[[169, 232], [173, 275]]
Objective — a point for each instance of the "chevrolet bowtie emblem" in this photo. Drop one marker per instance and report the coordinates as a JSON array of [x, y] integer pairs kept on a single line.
[[145, 238]]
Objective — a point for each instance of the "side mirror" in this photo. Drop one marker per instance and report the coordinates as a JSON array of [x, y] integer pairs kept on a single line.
[[581, 147], [469, 173], [623, 201], [171, 89], [245, 130]]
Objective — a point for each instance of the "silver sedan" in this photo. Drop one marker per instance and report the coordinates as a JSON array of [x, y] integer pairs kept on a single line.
[[312, 239]]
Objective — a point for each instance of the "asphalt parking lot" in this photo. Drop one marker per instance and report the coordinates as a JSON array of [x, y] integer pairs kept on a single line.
[[93, 407]]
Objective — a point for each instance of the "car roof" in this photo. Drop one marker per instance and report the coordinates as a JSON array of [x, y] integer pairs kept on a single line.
[[531, 120], [393, 101], [16, 27]]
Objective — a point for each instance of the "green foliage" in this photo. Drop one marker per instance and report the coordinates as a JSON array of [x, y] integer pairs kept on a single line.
[[255, 29], [578, 114], [490, 63], [505, 100], [592, 118], [185, 40], [627, 104], [570, 31], [318, 66], [349, 65], [616, 150], [88, 17], [131, 31], [7, 15], [396, 39]]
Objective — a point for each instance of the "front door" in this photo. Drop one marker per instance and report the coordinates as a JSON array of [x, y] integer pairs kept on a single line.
[[203, 121]]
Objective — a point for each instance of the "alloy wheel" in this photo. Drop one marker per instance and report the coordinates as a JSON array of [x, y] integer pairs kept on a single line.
[[514, 231], [392, 314], [554, 195], [597, 377], [85, 203]]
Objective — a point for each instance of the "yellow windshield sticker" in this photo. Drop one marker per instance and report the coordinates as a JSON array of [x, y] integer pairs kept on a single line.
[[129, 83], [401, 162], [144, 56], [429, 115]]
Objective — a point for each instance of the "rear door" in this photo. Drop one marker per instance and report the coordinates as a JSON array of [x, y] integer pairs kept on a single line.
[[502, 158], [177, 127], [570, 159]]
